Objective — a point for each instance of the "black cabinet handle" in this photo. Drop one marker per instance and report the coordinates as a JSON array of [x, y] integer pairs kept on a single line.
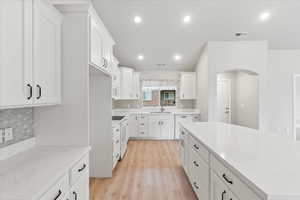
[[40, 91], [195, 185], [223, 195], [117, 141], [75, 195], [196, 147], [82, 168], [196, 164], [30, 91], [226, 179], [58, 195]]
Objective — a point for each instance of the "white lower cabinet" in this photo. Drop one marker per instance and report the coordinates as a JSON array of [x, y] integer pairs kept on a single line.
[[211, 178], [219, 190], [73, 185], [80, 191], [161, 126], [198, 174], [181, 118]]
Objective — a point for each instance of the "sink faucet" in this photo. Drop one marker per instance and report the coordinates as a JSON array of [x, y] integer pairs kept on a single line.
[[162, 109]]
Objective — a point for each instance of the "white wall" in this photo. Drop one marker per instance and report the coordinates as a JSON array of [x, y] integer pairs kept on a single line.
[[246, 100], [279, 108], [202, 85], [244, 55]]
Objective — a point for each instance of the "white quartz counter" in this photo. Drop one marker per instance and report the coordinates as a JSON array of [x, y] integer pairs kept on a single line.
[[270, 162], [150, 111], [26, 175]]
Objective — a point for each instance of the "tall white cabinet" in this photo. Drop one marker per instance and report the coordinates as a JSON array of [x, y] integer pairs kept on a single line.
[[187, 85], [30, 51]]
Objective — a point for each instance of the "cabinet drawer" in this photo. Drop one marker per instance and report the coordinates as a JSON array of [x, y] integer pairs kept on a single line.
[[117, 146], [199, 175], [59, 190], [79, 169], [199, 148], [232, 181]]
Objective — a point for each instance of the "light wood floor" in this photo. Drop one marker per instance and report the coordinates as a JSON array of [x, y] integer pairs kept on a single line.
[[150, 171]]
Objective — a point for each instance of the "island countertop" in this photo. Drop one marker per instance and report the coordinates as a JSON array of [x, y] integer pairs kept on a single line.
[[270, 162]]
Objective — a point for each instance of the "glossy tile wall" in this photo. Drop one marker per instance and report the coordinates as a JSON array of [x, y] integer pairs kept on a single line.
[[21, 120]]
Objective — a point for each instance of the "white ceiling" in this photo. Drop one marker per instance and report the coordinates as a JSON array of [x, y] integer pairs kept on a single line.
[[162, 33]]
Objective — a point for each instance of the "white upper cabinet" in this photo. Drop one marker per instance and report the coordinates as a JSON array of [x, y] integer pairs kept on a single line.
[[96, 44], [29, 53], [126, 83], [101, 44], [15, 53], [47, 54], [188, 85]]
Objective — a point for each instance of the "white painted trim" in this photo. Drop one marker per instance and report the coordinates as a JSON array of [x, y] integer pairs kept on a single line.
[[295, 125], [16, 148]]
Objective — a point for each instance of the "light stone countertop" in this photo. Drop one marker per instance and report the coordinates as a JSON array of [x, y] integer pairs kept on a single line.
[[29, 174], [271, 162]]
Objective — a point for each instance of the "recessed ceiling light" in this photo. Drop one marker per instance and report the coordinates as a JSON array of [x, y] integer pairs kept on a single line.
[[140, 57], [187, 19], [177, 57], [265, 16], [137, 19]]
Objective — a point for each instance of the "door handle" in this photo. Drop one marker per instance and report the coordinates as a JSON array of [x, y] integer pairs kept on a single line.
[[30, 91], [40, 91]]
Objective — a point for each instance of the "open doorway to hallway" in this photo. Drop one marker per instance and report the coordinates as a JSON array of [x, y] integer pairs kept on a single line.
[[238, 98]]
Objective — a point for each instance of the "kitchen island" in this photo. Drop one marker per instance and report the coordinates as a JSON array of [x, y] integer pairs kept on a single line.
[[230, 162]]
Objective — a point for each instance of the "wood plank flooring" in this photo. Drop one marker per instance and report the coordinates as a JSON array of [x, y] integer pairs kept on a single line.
[[150, 171]]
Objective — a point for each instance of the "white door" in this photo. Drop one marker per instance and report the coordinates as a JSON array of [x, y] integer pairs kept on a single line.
[[16, 85], [224, 100], [154, 126], [47, 51], [80, 191], [297, 107]]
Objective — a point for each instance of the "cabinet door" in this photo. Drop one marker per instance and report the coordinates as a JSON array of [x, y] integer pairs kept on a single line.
[[47, 51], [80, 191], [188, 85], [133, 125], [219, 190], [126, 83], [167, 127], [154, 127], [199, 175], [96, 44], [15, 53]]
